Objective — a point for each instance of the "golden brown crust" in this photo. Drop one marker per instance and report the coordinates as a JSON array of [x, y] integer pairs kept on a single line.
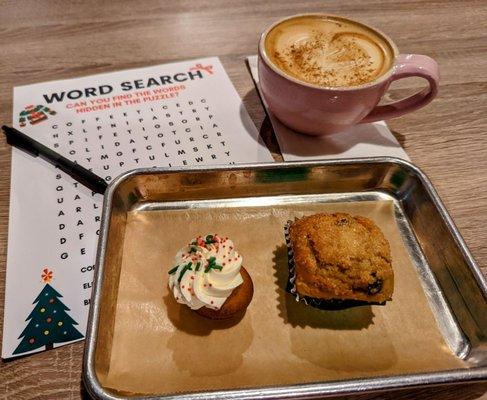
[[236, 303], [339, 256]]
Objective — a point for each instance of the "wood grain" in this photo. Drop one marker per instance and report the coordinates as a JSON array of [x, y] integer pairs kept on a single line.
[[47, 40]]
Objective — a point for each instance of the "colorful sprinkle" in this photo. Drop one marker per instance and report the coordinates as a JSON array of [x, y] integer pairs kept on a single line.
[[187, 267], [173, 270], [212, 265]]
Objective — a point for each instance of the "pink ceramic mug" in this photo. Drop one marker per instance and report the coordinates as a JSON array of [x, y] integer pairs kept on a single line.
[[317, 110]]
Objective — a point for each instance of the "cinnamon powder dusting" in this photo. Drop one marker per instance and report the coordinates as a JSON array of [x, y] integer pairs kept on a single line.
[[330, 59]]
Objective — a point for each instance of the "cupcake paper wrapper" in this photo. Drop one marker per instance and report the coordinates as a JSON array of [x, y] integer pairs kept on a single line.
[[322, 304]]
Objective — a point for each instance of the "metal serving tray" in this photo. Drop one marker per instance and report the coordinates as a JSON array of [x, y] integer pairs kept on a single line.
[[453, 283]]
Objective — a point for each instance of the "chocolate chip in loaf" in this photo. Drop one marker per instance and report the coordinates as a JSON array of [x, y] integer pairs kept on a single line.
[[376, 287], [342, 222]]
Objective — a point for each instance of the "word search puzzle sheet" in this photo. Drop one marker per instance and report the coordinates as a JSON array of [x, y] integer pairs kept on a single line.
[[180, 114]]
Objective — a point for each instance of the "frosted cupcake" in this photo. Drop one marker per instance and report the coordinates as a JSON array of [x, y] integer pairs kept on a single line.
[[209, 278]]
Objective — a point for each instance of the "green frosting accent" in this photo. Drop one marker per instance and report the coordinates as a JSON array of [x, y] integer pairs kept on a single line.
[[209, 239], [212, 265], [187, 267], [173, 270], [193, 250], [198, 266]]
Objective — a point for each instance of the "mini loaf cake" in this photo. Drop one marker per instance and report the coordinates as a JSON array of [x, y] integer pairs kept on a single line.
[[340, 258], [208, 277]]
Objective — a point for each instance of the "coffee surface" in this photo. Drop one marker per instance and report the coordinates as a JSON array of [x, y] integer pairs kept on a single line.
[[328, 51]]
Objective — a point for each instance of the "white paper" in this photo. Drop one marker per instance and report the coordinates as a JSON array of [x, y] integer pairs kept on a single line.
[[364, 140], [185, 113]]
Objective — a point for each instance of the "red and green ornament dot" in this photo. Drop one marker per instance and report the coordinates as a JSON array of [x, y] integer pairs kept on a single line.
[[46, 332]]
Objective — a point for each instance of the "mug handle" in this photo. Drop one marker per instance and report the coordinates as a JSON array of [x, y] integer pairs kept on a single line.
[[408, 65]]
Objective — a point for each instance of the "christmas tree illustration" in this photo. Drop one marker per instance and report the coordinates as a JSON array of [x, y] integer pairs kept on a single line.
[[49, 321]]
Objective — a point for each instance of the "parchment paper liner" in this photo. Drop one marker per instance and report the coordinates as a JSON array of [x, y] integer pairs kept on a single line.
[[160, 347]]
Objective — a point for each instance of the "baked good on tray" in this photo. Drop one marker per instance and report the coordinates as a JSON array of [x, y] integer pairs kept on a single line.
[[208, 277], [339, 259]]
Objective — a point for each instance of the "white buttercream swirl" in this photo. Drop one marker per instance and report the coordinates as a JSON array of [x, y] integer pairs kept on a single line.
[[205, 272]]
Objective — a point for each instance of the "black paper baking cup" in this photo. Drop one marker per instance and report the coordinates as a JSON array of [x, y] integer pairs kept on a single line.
[[322, 304]]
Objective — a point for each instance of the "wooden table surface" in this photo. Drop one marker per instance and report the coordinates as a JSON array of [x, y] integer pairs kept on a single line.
[[47, 40]]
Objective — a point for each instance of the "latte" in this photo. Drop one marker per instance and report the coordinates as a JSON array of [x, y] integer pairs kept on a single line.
[[328, 51]]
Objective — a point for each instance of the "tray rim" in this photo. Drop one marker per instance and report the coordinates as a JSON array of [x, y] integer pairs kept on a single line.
[[307, 390]]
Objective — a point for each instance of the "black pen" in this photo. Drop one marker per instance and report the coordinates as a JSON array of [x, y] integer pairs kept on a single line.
[[23, 142]]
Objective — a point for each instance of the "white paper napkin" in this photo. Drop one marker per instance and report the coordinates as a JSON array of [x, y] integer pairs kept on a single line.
[[364, 140]]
